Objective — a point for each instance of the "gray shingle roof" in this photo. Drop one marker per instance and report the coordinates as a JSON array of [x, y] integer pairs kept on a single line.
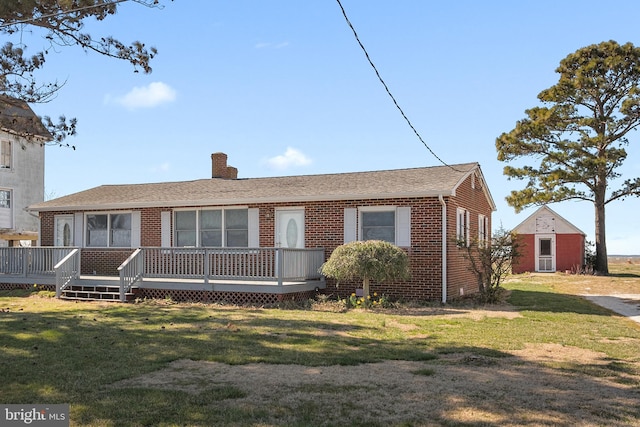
[[427, 181], [16, 116]]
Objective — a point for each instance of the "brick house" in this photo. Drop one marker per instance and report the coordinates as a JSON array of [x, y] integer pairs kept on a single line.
[[549, 243], [421, 210]]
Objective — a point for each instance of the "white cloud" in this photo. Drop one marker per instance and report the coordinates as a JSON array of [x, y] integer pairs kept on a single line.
[[164, 167], [290, 158], [150, 96]]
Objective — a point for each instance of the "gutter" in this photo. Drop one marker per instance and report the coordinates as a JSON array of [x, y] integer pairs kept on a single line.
[[444, 248]]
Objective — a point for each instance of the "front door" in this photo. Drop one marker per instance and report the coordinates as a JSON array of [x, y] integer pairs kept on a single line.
[[289, 228], [64, 230]]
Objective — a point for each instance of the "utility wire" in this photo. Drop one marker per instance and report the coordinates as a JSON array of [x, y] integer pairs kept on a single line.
[[387, 88]]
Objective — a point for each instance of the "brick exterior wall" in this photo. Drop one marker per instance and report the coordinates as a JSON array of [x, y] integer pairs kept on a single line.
[[324, 227], [102, 262], [470, 196], [569, 251], [527, 260]]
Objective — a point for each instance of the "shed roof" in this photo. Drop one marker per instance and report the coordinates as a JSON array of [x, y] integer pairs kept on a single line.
[[415, 182]]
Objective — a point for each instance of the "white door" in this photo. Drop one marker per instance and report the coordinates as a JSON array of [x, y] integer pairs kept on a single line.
[[290, 228], [63, 230], [546, 253]]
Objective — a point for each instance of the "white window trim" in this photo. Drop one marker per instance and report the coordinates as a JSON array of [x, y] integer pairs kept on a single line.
[[10, 166], [11, 201], [250, 225], [483, 230], [363, 209], [7, 215], [462, 229], [108, 214], [402, 223]]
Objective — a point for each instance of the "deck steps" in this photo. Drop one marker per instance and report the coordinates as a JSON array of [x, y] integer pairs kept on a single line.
[[95, 292]]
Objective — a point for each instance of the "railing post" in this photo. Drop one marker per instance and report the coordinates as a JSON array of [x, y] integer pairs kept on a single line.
[[279, 264], [25, 263], [122, 292], [207, 266], [58, 283]]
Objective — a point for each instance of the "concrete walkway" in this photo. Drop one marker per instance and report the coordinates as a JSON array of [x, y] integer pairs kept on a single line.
[[625, 304]]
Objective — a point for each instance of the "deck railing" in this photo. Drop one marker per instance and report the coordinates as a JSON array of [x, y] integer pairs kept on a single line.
[[35, 261], [66, 270], [62, 264], [131, 271], [279, 264]]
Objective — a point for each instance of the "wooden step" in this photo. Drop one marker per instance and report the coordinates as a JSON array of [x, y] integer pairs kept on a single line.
[[94, 288], [95, 293]]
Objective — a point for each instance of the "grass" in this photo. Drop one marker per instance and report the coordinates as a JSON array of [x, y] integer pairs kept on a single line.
[[54, 351]]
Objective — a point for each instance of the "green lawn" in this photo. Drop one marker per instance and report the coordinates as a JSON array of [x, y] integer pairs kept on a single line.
[[73, 352]]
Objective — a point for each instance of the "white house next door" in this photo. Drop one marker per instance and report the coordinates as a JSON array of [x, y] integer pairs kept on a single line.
[[63, 230], [289, 228]]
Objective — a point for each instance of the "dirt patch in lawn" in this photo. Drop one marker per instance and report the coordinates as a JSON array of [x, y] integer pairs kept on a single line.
[[546, 384]]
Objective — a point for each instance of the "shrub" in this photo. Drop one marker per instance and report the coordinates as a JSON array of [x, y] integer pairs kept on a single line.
[[367, 260]]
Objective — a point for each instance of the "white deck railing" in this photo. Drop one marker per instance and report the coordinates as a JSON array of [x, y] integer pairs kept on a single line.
[[31, 261], [131, 271], [66, 270], [277, 265], [233, 263]]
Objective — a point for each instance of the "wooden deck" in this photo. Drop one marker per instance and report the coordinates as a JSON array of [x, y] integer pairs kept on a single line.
[[275, 271]]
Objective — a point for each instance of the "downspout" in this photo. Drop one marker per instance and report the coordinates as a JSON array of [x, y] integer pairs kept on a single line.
[[36, 216], [444, 248]]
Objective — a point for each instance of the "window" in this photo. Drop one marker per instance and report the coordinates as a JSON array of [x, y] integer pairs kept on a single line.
[[379, 225], [545, 247], [388, 223], [462, 226], [6, 212], [186, 228], [120, 235], [5, 154], [483, 230], [5, 199], [212, 228], [237, 228], [108, 230]]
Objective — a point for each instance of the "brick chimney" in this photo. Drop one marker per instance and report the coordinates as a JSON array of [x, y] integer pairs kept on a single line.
[[219, 168]]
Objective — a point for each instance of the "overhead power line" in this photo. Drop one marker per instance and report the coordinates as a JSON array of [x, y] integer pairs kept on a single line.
[[387, 88]]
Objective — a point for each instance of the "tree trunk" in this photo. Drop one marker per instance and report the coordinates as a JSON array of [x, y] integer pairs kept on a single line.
[[365, 287], [602, 262]]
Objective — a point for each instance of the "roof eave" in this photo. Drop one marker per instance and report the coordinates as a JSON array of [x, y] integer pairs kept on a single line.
[[485, 187], [245, 201]]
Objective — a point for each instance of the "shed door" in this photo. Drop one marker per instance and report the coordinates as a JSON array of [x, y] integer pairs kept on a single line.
[[545, 253]]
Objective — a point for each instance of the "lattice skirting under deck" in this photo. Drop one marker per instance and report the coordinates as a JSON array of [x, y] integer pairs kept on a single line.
[[238, 298], [11, 286]]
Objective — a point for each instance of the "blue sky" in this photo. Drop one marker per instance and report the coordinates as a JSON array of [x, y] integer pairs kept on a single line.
[[282, 87]]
